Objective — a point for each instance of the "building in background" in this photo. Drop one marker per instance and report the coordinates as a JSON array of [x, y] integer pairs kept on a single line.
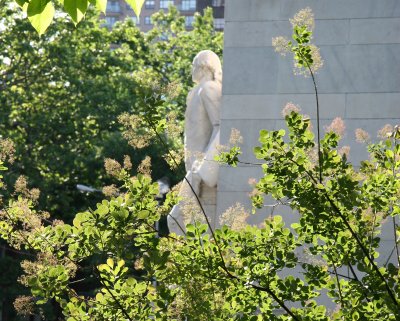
[[218, 9], [118, 10]]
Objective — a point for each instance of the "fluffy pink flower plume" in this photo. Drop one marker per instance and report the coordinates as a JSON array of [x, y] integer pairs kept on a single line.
[[337, 126]]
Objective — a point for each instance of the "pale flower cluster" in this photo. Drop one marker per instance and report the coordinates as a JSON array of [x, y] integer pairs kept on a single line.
[[191, 210], [252, 181], [145, 166], [7, 150], [235, 217], [21, 187], [305, 17], [20, 214], [289, 107], [112, 167], [136, 132], [385, 131], [150, 84], [173, 128], [235, 137], [362, 136], [281, 45], [172, 89], [24, 305], [127, 163], [173, 158], [222, 148], [43, 260], [337, 126], [345, 151], [110, 190], [21, 184]]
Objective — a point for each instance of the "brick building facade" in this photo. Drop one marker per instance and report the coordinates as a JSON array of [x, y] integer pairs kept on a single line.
[[118, 10]]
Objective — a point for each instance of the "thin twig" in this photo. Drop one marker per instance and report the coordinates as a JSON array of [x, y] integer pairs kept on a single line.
[[318, 125], [318, 118], [338, 282]]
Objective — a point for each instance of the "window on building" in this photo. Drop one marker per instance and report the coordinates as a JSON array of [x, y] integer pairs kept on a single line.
[[164, 4], [218, 3], [219, 23], [150, 4], [147, 20], [189, 21], [113, 6], [188, 5], [110, 21]]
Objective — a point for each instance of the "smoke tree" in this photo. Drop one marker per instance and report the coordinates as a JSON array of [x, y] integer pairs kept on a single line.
[[230, 273]]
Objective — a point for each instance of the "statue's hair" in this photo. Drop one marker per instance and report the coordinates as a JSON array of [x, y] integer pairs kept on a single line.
[[208, 60]]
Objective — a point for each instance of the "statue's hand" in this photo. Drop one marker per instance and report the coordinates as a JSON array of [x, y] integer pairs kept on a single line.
[[196, 166]]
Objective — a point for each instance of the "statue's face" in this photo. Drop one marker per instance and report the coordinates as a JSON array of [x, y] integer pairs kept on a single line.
[[197, 72]]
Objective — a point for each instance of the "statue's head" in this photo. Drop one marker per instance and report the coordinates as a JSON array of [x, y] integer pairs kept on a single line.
[[206, 65]]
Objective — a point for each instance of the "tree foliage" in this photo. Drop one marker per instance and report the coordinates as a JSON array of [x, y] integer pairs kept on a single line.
[[246, 274], [269, 272], [61, 97], [62, 93]]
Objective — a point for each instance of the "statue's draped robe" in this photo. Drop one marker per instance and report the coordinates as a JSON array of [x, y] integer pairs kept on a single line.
[[202, 119]]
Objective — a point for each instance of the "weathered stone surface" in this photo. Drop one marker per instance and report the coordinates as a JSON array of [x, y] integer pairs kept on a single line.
[[373, 105], [259, 33], [360, 79], [266, 107], [264, 10], [375, 31]]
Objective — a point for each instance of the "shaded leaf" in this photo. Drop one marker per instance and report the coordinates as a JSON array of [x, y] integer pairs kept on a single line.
[[76, 9], [22, 3]]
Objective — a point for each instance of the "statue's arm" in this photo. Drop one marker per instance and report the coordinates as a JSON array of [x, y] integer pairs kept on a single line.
[[211, 99]]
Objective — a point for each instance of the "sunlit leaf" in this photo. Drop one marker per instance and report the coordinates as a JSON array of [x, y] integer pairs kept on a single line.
[[101, 5], [40, 14], [136, 6]]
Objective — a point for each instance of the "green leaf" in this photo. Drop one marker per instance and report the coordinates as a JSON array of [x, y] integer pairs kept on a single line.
[[389, 153], [136, 6], [110, 262], [102, 209], [40, 14], [21, 3], [76, 9], [101, 5], [143, 214]]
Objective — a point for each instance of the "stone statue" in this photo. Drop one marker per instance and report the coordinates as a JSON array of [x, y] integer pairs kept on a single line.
[[202, 119]]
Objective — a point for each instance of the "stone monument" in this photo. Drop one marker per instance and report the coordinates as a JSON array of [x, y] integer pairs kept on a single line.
[[360, 82], [359, 41], [202, 120]]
